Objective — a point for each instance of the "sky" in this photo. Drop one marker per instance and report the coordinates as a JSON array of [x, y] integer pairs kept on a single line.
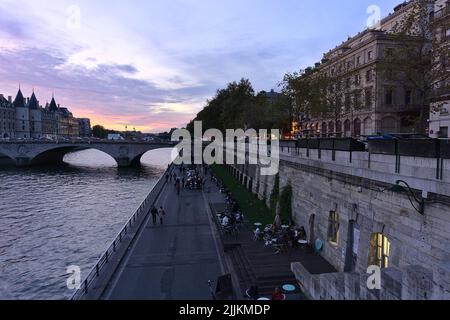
[[151, 65]]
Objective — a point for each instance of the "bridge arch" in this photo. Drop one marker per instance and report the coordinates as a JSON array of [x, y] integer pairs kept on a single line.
[[5, 158], [125, 154]]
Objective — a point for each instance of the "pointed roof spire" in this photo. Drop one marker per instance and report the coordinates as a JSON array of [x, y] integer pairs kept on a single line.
[[33, 104], [53, 106], [19, 101]]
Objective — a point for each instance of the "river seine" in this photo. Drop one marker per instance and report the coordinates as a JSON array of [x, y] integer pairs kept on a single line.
[[54, 217]]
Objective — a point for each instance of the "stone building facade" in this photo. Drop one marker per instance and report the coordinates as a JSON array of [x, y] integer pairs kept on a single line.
[[346, 200], [367, 100], [440, 107], [25, 118], [7, 118]]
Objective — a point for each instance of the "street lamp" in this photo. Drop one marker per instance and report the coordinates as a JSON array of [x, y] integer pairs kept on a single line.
[[411, 196]]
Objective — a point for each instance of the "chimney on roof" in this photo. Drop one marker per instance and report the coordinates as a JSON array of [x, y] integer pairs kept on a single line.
[[1, 96], [10, 99], [28, 100]]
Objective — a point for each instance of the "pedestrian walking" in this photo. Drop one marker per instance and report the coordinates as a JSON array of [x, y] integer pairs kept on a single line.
[[161, 214], [154, 213]]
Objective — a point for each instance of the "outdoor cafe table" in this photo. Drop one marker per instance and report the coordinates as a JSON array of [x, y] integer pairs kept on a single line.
[[288, 288]]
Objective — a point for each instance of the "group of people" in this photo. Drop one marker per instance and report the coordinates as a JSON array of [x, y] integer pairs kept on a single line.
[[186, 178], [272, 235], [233, 215], [158, 213]]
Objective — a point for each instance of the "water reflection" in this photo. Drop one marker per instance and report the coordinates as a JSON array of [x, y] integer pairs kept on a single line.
[[52, 217]]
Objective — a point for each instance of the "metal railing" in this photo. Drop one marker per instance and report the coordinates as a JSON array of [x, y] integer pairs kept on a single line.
[[143, 209]]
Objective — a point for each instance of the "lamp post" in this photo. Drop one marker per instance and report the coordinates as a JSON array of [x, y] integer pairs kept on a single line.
[[398, 188]]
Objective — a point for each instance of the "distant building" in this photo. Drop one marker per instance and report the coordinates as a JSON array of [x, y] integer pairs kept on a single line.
[[7, 118], [115, 136], [367, 101], [440, 106], [84, 125], [25, 118]]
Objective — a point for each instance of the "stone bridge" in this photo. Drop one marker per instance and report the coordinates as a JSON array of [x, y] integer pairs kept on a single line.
[[27, 153]]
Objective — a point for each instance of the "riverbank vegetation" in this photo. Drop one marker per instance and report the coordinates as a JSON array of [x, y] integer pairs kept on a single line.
[[254, 210]]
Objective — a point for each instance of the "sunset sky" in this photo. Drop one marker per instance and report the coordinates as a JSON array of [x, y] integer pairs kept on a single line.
[[152, 64]]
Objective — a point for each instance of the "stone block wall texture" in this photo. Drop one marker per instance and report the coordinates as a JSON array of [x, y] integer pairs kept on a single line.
[[357, 187]]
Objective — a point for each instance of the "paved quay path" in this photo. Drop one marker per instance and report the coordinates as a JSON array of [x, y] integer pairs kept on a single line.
[[171, 261]]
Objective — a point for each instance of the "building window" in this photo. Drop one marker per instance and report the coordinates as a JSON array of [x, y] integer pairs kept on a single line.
[[389, 96], [333, 227], [358, 60], [357, 99], [389, 74], [443, 133], [408, 94], [368, 97], [347, 83], [389, 52], [368, 75], [357, 79], [379, 251], [370, 55], [348, 102]]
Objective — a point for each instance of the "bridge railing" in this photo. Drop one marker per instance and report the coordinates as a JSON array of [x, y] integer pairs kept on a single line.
[[106, 257]]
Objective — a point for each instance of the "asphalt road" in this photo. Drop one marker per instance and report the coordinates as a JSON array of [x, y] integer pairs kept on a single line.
[[171, 261]]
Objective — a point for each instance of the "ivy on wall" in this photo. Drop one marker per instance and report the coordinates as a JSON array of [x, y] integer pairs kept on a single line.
[[275, 193], [286, 203]]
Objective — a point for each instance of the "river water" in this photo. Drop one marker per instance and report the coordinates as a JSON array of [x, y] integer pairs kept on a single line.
[[54, 217]]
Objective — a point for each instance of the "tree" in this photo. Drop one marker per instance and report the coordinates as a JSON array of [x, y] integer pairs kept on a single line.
[[415, 60], [238, 107], [99, 131]]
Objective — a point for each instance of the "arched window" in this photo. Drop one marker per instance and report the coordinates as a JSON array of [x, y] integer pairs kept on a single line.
[[338, 129], [357, 127], [331, 128], [324, 129], [347, 128], [367, 126], [333, 227], [379, 251]]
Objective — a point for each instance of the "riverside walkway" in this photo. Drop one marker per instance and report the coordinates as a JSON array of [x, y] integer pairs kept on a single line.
[[170, 261]]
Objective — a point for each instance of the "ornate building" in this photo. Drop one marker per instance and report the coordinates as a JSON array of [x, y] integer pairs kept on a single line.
[[24, 118], [7, 118], [440, 108], [367, 101]]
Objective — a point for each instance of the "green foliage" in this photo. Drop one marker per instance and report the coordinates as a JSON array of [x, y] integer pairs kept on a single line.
[[101, 132], [275, 193], [238, 107], [255, 210], [286, 203]]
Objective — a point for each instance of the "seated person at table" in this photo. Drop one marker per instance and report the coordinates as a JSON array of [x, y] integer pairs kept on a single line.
[[258, 234], [277, 294], [225, 221], [301, 235]]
